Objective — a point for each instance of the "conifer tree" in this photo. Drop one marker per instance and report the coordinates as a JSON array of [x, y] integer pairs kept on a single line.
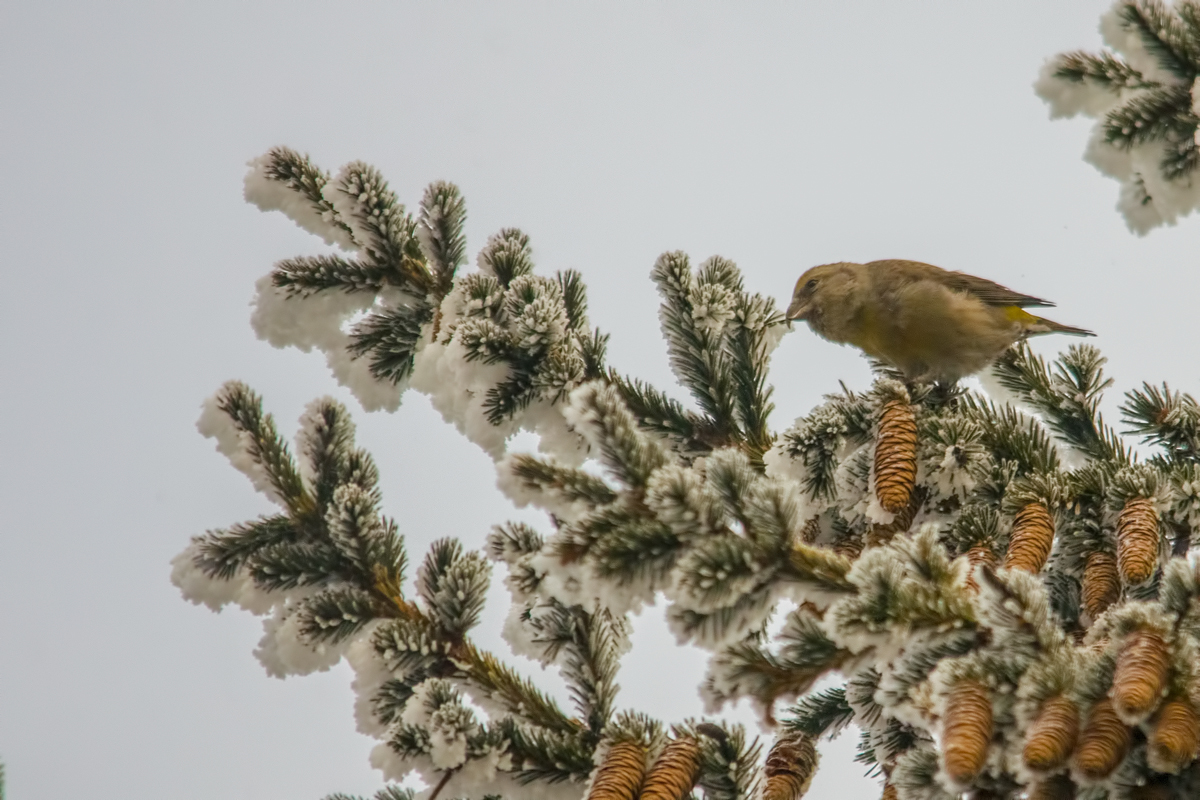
[[1000, 584]]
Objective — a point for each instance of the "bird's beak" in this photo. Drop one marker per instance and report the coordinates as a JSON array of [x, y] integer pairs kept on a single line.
[[797, 310]]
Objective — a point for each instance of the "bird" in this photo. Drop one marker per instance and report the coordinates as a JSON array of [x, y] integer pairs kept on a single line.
[[929, 323]]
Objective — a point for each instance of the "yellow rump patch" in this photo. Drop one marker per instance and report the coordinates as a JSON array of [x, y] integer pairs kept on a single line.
[[1018, 314]]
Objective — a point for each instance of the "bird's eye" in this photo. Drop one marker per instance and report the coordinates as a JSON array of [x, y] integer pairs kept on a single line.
[[808, 287]]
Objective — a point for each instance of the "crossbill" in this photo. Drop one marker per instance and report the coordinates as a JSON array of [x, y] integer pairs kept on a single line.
[[929, 323]]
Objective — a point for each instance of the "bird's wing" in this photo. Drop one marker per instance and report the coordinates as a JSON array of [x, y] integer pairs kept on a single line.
[[991, 292], [987, 291]]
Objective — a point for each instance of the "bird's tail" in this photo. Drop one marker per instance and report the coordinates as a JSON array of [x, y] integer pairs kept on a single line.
[[1042, 325]]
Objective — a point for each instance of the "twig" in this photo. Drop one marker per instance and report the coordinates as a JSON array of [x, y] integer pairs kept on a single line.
[[442, 783]]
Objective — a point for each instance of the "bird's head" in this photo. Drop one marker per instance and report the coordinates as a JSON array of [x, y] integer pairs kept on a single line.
[[826, 293]]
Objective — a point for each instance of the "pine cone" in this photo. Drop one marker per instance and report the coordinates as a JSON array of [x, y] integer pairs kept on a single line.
[[1101, 583], [1140, 676], [1058, 787], [896, 456], [1103, 743], [620, 776], [1174, 736], [674, 773], [878, 534], [789, 768], [850, 546], [1052, 736], [979, 554], [966, 731], [1031, 539], [1137, 541]]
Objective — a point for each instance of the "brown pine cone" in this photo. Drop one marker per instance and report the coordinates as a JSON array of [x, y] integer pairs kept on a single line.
[[1031, 540], [1103, 743], [1052, 736], [896, 456], [977, 555], [674, 773], [850, 546], [619, 777], [966, 731], [1137, 541], [789, 767], [1174, 736], [1101, 583], [1143, 664], [882, 533]]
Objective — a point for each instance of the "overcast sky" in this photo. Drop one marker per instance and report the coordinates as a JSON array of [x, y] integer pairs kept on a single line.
[[778, 135]]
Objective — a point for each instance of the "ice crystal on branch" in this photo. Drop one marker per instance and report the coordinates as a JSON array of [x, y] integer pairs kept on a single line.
[[1144, 96], [1004, 591]]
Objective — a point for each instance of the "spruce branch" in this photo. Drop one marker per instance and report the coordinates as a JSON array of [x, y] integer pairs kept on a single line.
[[382, 225], [354, 525], [507, 256], [389, 337], [513, 541], [593, 351], [627, 453], [1104, 68], [1181, 156], [574, 294], [694, 353], [662, 415], [453, 585], [304, 275], [591, 668], [750, 668], [818, 441], [640, 549], [1069, 396], [1165, 418], [1164, 34], [749, 354], [517, 694], [221, 553], [1013, 437], [541, 755], [336, 614], [587, 646], [299, 174], [1151, 116], [709, 626], [440, 232], [826, 569], [579, 539], [1135, 112], [287, 565], [265, 446], [573, 485], [820, 714], [729, 761], [326, 443]]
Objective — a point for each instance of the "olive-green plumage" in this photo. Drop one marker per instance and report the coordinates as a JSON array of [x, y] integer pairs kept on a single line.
[[929, 323]]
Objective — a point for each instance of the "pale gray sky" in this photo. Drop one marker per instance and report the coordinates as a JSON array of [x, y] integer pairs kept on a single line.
[[780, 135]]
